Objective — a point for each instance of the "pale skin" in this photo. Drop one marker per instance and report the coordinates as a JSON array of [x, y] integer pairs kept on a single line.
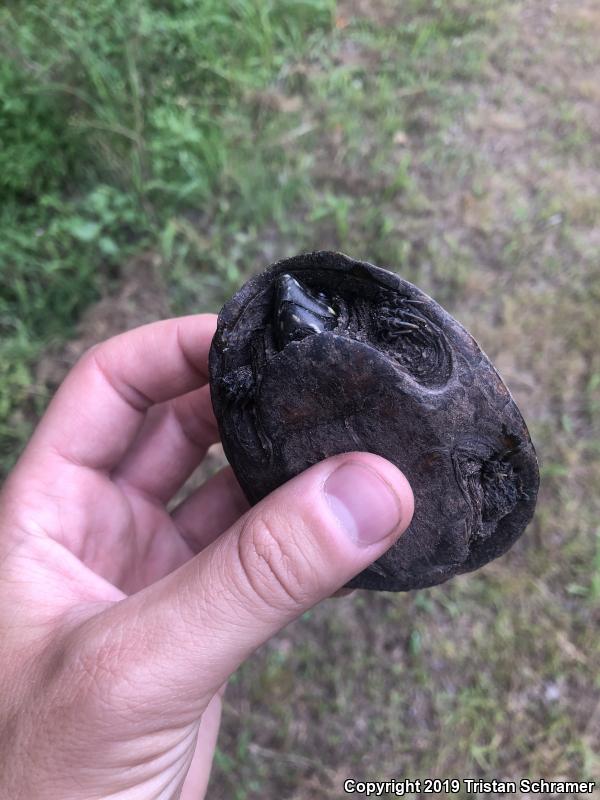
[[121, 621]]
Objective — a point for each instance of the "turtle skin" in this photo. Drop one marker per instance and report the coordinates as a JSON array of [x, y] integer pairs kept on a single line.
[[321, 354]]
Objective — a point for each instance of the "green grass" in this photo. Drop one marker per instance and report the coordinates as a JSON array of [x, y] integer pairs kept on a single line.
[[121, 123], [222, 136]]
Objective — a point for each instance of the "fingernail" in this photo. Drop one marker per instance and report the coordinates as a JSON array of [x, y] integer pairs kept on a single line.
[[364, 504]]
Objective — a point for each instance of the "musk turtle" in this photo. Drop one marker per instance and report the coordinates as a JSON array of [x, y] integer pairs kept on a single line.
[[322, 354]]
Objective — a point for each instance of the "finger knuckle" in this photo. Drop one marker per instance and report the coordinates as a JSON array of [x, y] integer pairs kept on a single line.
[[88, 359], [273, 563]]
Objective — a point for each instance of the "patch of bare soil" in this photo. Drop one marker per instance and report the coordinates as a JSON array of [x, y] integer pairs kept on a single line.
[[537, 124], [535, 138]]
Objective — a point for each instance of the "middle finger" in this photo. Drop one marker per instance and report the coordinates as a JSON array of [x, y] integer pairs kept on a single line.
[[171, 443]]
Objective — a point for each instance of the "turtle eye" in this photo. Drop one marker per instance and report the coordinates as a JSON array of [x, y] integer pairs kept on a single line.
[[298, 313]]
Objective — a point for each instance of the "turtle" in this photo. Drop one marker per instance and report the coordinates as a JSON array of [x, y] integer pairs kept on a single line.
[[322, 354]]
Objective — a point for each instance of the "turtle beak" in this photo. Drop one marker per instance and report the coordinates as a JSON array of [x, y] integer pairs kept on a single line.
[[298, 313]]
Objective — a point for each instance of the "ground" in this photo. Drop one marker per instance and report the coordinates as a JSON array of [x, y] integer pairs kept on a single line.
[[459, 144]]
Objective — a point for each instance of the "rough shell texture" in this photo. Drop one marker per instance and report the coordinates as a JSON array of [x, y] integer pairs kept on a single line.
[[321, 354]]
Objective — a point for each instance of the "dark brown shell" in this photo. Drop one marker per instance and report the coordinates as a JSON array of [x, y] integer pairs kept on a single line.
[[394, 374]]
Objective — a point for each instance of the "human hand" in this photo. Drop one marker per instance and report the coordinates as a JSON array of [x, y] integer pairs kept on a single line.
[[120, 622]]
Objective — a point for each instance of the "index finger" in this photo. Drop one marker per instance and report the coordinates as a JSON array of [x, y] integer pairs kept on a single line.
[[100, 406]]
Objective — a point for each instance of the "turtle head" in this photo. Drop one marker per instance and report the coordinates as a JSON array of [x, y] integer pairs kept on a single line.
[[298, 313]]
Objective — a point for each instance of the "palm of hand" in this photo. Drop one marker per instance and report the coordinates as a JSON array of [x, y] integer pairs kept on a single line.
[[116, 532]]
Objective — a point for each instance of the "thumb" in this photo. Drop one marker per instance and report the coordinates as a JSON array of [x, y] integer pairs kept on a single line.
[[191, 630]]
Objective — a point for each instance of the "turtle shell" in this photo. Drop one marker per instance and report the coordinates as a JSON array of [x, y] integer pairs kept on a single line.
[[321, 354]]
